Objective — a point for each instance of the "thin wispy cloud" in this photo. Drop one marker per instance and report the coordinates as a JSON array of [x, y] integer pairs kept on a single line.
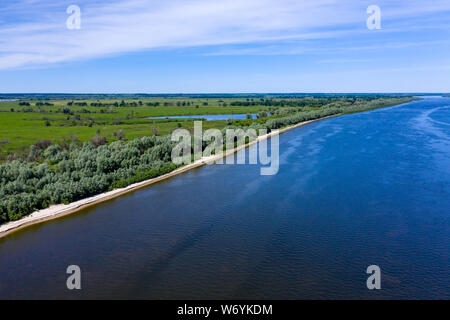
[[34, 32], [345, 61]]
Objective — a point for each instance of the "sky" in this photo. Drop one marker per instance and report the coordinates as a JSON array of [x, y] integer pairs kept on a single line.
[[224, 46]]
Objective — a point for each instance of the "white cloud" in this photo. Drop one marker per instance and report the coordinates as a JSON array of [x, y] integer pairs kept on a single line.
[[334, 61], [41, 36]]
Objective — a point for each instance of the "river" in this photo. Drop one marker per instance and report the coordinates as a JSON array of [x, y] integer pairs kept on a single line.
[[371, 188]]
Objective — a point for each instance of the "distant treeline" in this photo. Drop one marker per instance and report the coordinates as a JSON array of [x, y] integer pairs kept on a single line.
[[313, 103], [139, 103], [80, 96], [303, 102], [38, 104]]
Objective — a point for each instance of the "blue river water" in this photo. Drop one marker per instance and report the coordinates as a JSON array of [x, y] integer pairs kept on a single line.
[[364, 189], [210, 117]]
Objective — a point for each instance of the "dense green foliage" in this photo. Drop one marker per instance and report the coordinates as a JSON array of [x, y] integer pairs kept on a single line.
[[301, 117], [63, 175]]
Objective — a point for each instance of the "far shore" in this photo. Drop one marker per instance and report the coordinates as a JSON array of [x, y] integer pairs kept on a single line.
[[60, 210]]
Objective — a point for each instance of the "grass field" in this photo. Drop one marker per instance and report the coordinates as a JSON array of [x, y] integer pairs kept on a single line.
[[21, 126], [24, 122]]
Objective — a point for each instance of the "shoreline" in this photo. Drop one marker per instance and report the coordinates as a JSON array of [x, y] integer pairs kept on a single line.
[[61, 210]]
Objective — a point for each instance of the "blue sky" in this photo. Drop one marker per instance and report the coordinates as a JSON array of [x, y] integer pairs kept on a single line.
[[215, 46]]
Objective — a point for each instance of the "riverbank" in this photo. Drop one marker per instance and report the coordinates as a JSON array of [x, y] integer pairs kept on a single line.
[[61, 210]]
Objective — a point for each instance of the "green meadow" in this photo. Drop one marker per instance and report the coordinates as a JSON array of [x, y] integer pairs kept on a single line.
[[22, 125]]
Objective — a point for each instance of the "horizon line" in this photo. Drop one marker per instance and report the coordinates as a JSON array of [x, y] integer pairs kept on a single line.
[[219, 93]]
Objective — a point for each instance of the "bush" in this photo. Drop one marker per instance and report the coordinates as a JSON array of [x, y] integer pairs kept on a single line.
[[98, 140], [42, 144]]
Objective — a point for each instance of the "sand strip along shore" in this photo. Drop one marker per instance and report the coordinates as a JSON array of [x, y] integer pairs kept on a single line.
[[60, 210]]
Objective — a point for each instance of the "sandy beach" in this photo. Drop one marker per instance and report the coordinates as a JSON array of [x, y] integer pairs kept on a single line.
[[60, 210]]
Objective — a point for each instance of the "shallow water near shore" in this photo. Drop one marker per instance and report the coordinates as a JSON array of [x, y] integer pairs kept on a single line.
[[352, 191]]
